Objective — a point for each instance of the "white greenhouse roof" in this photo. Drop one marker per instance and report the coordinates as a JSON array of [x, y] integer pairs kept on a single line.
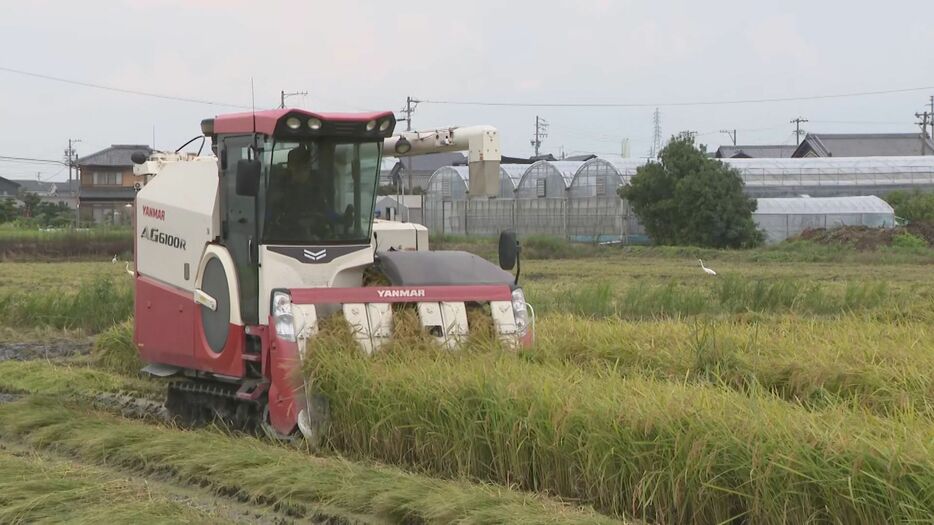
[[461, 171], [835, 164], [514, 171], [567, 169], [822, 205]]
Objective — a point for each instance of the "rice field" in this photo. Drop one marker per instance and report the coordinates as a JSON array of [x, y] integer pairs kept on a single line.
[[783, 390]]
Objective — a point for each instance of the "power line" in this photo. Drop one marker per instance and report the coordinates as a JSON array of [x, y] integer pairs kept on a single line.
[[121, 90], [660, 104], [29, 160]]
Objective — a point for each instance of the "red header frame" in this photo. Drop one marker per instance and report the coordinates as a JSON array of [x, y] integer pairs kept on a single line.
[[402, 294]]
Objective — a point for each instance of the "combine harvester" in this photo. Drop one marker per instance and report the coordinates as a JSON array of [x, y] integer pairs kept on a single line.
[[240, 254]]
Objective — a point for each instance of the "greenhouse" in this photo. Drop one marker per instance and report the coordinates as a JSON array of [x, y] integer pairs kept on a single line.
[[547, 179], [834, 177], [780, 218], [579, 201]]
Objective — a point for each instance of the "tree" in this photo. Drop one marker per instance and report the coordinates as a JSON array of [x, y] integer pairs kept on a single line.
[[31, 203], [913, 206], [8, 210], [688, 198]]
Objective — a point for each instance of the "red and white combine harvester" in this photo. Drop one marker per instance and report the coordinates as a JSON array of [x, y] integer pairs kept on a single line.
[[240, 254]]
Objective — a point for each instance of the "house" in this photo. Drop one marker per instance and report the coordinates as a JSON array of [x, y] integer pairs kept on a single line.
[[108, 186], [52, 192], [8, 188], [864, 145], [765, 151], [388, 208]]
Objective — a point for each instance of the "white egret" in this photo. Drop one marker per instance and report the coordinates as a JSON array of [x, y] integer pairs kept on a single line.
[[707, 270]]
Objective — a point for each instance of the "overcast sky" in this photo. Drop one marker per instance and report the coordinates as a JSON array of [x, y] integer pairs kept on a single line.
[[370, 55]]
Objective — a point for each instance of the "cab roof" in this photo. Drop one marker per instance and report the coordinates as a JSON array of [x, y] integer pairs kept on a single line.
[[267, 120]]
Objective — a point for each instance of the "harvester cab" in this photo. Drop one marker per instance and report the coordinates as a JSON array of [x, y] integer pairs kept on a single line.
[[240, 254]]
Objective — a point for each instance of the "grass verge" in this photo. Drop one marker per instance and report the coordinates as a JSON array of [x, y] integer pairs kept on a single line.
[[65, 244], [664, 452], [292, 480]]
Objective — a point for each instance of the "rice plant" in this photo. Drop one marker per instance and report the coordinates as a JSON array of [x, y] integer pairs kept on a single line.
[[662, 451]]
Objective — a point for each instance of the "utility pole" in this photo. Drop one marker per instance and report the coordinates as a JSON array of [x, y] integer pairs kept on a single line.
[[688, 134], [657, 133], [931, 118], [925, 118], [541, 127], [798, 132], [283, 95], [409, 109], [71, 158], [731, 134]]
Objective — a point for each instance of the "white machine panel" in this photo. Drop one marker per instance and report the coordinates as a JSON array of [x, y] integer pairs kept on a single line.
[[176, 215]]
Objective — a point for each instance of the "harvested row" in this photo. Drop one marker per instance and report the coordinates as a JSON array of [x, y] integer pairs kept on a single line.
[[35, 489], [882, 367], [40, 377], [290, 480], [665, 452]]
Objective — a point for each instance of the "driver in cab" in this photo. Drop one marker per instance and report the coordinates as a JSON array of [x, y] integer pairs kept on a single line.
[[300, 200]]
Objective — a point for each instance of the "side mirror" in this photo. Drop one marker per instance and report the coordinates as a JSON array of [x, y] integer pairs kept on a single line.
[[138, 157], [508, 250], [248, 172]]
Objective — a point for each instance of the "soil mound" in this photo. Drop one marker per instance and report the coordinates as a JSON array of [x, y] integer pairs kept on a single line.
[[864, 238]]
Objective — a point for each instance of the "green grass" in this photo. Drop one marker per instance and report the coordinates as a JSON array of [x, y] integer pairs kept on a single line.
[[65, 380], [57, 276], [34, 489], [93, 307], [539, 247], [663, 451], [114, 350], [290, 480], [18, 244]]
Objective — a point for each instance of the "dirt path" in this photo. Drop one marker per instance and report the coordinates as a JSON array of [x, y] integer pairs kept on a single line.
[[58, 349]]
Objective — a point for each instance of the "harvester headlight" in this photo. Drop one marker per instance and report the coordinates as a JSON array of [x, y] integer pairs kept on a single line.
[[293, 123], [371, 125], [384, 125], [282, 316], [314, 123], [520, 311], [403, 146]]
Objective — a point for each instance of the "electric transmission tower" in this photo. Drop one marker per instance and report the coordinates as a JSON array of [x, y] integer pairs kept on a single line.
[[657, 133], [541, 128]]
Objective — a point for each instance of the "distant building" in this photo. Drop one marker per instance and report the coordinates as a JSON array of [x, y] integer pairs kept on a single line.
[[108, 185], [52, 192], [864, 145], [777, 151], [8, 188], [388, 207]]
